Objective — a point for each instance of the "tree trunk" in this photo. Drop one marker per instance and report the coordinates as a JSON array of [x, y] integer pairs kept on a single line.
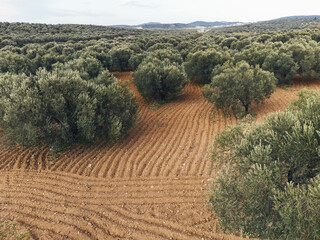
[[290, 176], [162, 97], [246, 109]]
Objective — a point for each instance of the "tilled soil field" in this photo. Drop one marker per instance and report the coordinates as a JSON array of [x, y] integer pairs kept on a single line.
[[151, 185]]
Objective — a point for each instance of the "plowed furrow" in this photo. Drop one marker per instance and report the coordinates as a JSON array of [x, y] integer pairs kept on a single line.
[[74, 179], [36, 158], [26, 160], [11, 158], [183, 160], [132, 198], [157, 227], [64, 211], [4, 150], [114, 187], [175, 140], [112, 161], [176, 231], [87, 160], [38, 232], [61, 162], [44, 159], [204, 163], [130, 151], [62, 216], [45, 221], [207, 138], [83, 158], [202, 138], [68, 164], [126, 147], [160, 130], [159, 157], [130, 157]]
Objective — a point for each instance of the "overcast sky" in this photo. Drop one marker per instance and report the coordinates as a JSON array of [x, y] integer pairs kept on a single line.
[[110, 12]]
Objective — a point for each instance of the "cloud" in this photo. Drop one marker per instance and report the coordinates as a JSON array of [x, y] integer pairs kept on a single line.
[[7, 9], [139, 4], [74, 13]]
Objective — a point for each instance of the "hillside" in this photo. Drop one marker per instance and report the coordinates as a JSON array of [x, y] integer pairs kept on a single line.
[[156, 25], [285, 23]]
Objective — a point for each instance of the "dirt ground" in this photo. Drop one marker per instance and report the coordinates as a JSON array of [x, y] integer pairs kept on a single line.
[[151, 185]]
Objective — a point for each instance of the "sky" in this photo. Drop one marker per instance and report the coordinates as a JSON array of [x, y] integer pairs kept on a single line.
[[132, 12]]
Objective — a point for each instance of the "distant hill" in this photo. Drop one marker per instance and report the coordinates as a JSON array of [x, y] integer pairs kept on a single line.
[[283, 23], [157, 25], [302, 16]]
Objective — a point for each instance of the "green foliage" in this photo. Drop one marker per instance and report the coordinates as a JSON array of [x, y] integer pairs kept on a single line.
[[269, 187], [304, 55], [228, 41], [254, 55], [60, 107], [184, 48], [297, 206], [159, 46], [304, 96], [157, 104], [282, 65], [23, 33], [135, 60], [87, 67], [172, 55], [159, 80], [199, 65], [242, 84], [15, 63], [119, 58], [243, 204], [317, 62]]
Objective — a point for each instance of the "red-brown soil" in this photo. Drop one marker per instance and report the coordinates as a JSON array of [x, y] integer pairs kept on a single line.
[[151, 185]]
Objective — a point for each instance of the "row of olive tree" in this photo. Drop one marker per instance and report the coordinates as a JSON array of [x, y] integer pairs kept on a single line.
[[284, 54], [285, 60], [216, 61], [116, 54]]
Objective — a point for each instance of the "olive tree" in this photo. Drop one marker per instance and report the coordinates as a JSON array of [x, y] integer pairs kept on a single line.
[[87, 67], [317, 64], [159, 79], [241, 84], [135, 60], [199, 65], [304, 56], [60, 107], [119, 58], [254, 54], [269, 185], [283, 66], [14, 63], [170, 54]]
